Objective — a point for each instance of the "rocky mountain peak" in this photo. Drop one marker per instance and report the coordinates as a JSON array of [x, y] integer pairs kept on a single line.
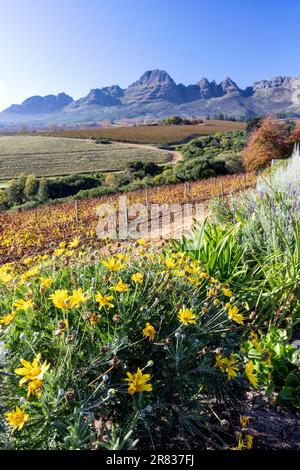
[[41, 104], [113, 90], [101, 97], [209, 89], [273, 83], [154, 77], [153, 85], [229, 86]]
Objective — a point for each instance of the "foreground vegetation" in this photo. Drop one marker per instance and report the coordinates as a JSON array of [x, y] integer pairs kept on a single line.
[[118, 348]]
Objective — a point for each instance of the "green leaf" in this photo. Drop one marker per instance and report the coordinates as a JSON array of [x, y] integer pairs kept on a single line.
[[292, 380], [254, 354], [287, 393]]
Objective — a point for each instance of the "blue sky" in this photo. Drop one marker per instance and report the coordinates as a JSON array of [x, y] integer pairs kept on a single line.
[[48, 46]]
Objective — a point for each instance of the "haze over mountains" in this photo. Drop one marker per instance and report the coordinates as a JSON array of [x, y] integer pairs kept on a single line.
[[154, 96]]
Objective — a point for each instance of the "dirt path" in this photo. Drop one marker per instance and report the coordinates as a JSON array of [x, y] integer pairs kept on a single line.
[[176, 156]]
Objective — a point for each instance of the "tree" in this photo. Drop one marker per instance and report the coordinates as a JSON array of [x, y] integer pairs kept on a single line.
[[268, 142], [291, 125], [173, 120], [253, 124], [4, 201], [43, 190], [31, 187], [16, 190], [21, 181], [14, 195], [295, 135]]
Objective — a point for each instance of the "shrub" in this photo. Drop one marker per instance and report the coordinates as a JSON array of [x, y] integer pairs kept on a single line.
[[199, 168], [173, 120], [31, 187], [71, 185], [254, 244], [43, 192], [278, 365], [269, 141], [231, 143]]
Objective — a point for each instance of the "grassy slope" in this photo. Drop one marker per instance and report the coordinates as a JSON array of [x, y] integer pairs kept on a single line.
[[49, 156]]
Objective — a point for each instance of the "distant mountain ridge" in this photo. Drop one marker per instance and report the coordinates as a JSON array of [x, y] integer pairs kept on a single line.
[[155, 95], [41, 104]]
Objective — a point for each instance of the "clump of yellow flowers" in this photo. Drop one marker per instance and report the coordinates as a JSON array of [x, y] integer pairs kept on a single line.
[[137, 382], [32, 374], [62, 300]]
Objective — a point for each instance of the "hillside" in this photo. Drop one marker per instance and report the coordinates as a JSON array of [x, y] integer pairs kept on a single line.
[[157, 135], [57, 156]]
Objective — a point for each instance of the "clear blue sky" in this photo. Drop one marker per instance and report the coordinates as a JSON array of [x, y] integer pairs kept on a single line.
[[48, 46]]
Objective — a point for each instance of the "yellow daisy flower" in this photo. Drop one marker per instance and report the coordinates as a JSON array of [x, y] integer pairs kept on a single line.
[[137, 382], [17, 418]]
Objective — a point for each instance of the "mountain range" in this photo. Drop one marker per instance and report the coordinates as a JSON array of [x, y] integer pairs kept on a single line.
[[154, 96]]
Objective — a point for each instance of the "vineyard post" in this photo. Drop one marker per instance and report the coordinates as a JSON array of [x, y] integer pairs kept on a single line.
[[186, 191], [123, 216], [146, 197], [222, 190], [76, 212]]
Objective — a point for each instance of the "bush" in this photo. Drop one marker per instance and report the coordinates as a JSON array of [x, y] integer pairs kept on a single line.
[[173, 120], [277, 364], [231, 144], [71, 185], [254, 243], [199, 168], [269, 141]]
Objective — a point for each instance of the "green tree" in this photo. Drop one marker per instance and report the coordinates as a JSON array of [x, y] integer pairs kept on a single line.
[[173, 120], [42, 194], [15, 191], [4, 201], [31, 187]]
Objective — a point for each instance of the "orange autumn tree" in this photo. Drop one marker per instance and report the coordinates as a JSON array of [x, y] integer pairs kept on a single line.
[[295, 135], [270, 140]]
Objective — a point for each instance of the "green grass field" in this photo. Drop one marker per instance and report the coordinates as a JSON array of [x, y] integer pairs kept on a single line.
[[57, 156]]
